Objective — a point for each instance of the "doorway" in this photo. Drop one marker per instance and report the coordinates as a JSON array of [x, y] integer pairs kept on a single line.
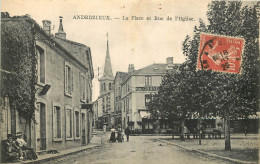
[[83, 125], [40, 127]]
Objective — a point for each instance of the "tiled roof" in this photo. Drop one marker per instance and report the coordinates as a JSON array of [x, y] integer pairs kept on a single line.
[[153, 69], [77, 50]]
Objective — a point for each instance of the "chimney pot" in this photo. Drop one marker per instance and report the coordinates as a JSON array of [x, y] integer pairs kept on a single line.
[[169, 63], [47, 26], [131, 68]]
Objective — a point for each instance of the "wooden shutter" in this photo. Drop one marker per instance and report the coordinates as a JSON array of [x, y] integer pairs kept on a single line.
[[72, 87], [54, 122], [66, 78]]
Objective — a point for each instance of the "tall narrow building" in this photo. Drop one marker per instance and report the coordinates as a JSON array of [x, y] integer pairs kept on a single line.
[[106, 91]]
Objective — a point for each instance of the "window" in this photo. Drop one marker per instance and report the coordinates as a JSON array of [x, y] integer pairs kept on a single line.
[[68, 124], [110, 86], [148, 80], [88, 93], [77, 124], [108, 102], [68, 80], [147, 99], [124, 104], [56, 122], [41, 65], [104, 86], [82, 88]]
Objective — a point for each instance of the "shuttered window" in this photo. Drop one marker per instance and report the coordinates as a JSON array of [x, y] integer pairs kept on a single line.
[[68, 80], [56, 122], [41, 65]]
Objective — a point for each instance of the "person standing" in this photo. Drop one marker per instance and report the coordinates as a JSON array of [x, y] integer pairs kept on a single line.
[[127, 133], [113, 135], [246, 131]]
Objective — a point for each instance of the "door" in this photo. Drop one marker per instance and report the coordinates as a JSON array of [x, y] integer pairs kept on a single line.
[[40, 127], [83, 124], [88, 127]]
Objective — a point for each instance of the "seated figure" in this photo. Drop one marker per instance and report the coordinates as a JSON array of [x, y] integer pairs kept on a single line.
[[29, 152], [10, 151]]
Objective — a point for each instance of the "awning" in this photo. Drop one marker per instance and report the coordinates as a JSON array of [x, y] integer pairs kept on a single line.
[[254, 116], [145, 114]]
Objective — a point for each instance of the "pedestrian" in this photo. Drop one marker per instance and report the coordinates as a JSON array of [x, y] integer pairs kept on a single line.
[[119, 134], [245, 130], [29, 152], [113, 135], [195, 132], [127, 133]]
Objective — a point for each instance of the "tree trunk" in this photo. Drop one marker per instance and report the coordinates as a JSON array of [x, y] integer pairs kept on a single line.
[[200, 131], [182, 130], [227, 131], [172, 130]]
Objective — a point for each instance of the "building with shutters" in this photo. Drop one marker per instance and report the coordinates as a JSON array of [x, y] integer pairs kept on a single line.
[[63, 112], [137, 88]]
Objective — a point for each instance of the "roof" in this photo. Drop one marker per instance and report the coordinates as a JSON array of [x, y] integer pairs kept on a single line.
[[108, 74], [74, 49], [121, 74], [152, 70]]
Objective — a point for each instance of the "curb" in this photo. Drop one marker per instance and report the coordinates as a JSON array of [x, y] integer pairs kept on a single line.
[[208, 154], [44, 160]]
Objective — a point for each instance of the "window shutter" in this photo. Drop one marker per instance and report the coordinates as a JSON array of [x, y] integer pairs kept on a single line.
[[72, 80], [66, 78], [37, 117], [54, 122]]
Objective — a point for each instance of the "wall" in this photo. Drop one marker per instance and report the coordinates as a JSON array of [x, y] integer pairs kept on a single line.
[[54, 76]]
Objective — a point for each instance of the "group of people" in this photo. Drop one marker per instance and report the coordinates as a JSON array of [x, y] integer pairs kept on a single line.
[[120, 134], [15, 148]]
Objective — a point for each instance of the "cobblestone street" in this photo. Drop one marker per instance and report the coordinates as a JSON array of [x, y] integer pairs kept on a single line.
[[140, 149]]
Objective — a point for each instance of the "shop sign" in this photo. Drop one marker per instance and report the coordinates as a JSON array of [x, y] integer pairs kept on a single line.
[[150, 88]]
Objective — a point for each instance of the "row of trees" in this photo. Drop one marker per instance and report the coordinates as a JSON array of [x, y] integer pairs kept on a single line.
[[188, 92]]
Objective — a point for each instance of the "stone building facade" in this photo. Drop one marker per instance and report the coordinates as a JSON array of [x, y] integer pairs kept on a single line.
[[118, 96], [63, 110], [137, 88]]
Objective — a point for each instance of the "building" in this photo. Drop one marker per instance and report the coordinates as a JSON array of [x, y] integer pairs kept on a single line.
[[63, 110], [107, 92], [118, 95], [137, 88]]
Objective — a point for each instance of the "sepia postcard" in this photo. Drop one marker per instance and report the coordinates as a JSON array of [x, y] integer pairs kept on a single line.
[[129, 81]]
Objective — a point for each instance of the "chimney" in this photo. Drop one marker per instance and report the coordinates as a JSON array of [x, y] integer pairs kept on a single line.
[[47, 26], [131, 68], [169, 63], [61, 34]]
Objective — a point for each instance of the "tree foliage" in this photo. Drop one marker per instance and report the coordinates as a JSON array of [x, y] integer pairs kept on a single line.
[[208, 93], [18, 61]]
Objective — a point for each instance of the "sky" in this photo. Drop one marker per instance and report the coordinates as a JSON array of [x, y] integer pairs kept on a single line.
[[138, 42]]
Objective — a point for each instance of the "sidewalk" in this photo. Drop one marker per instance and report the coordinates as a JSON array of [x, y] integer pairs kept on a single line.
[[96, 141], [243, 149]]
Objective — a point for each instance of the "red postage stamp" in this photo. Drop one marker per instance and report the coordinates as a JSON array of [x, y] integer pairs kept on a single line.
[[220, 53]]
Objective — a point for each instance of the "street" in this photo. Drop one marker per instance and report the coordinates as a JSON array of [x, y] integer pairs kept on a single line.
[[140, 149]]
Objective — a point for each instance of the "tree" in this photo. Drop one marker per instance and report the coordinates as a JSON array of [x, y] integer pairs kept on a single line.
[[18, 66], [236, 95]]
